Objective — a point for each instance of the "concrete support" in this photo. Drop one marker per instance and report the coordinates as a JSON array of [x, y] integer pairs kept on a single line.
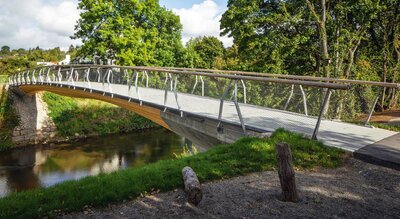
[[35, 125]]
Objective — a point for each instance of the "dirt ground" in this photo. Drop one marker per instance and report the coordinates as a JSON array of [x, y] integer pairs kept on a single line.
[[382, 117], [357, 190]]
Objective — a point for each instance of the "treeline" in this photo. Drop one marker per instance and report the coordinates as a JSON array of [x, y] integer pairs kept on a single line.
[[350, 39], [13, 60]]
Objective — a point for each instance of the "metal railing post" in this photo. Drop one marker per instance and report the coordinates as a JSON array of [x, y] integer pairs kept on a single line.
[[137, 87], [290, 97], [202, 86], [321, 113], [48, 80], [238, 108], [33, 77], [176, 93], [195, 84], [147, 78], [59, 76], [244, 92], [304, 100], [109, 75], [372, 108], [221, 106], [166, 91]]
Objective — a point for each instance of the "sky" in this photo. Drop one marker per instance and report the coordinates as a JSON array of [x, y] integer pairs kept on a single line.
[[50, 23]]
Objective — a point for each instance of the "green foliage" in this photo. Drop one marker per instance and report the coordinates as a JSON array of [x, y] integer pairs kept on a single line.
[[10, 65], [187, 151], [355, 40], [3, 79], [132, 32], [88, 117], [245, 156], [21, 59], [206, 50], [8, 120], [5, 50]]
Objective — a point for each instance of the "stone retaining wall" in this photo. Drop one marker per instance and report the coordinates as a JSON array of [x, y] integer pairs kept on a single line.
[[35, 125]]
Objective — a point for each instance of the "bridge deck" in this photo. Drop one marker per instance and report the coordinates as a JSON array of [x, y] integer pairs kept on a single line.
[[333, 133]]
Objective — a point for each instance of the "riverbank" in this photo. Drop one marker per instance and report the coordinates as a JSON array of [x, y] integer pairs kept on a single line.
[[76, 117], [42, 166], [245, 156], [73, 119], [356, 190]]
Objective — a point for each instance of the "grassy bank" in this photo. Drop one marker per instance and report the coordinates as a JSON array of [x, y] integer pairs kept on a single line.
[[8, 119], [90, 117], [386, 126], [245, 156]]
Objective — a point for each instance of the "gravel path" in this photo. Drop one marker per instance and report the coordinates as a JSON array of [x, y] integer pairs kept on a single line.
[[358, 190]]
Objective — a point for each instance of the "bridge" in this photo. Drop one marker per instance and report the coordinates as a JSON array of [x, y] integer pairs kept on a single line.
[[213, 106]]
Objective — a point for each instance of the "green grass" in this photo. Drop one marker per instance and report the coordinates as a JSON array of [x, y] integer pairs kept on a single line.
[[378, 125], [245, 156], [90, 117], [386, 126]]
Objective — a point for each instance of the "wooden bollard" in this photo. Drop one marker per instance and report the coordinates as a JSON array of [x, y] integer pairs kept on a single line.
[[286, 173], [192, 186]]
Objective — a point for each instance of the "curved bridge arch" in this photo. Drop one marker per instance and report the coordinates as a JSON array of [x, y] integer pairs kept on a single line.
[[148, 112]]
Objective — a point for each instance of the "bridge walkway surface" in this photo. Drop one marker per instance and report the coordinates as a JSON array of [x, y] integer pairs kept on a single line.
[[371, 144]]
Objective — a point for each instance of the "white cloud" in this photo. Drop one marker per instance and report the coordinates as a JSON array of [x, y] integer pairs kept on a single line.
[[43, 23], [202, 20], [60, 19], [50, 23]]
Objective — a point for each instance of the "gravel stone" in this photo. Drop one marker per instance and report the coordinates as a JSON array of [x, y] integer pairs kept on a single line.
[[357, 190]]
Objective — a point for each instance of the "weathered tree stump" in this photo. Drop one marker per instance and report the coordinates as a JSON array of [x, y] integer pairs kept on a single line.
[[286, 173], [192, 186]]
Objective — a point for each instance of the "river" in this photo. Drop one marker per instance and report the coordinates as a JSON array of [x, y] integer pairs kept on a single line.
[[42, 166]]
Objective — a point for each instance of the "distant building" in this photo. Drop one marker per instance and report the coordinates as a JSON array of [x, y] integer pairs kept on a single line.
[[46, 63], [66, 61]]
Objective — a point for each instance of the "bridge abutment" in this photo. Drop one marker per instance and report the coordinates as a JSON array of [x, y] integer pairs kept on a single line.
[[35, 126]]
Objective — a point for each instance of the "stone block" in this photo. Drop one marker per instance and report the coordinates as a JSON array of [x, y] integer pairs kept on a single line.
[[18, 138]]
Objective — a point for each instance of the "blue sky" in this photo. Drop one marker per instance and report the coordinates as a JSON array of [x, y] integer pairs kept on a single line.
[[50, 23]]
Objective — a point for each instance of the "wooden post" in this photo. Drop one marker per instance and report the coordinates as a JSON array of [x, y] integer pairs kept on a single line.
[[192, 186], [286, 173]]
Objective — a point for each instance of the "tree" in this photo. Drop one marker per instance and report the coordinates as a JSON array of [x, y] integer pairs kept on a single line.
[[300, 37], [132, 32], [207, 48], [5, 50], [271, 35]]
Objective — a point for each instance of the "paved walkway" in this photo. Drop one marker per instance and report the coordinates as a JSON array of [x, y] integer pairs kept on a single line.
[[347, 136]]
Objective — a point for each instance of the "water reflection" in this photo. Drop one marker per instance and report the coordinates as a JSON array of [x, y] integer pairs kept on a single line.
[[34, 167]]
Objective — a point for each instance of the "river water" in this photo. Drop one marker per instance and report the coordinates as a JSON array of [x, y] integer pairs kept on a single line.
[[42, 166]]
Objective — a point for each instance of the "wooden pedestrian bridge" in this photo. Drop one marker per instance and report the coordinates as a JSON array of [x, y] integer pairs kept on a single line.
[[214, 106]]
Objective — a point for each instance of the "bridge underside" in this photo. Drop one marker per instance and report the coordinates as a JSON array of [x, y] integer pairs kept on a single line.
[[200, 130], [198, 116]]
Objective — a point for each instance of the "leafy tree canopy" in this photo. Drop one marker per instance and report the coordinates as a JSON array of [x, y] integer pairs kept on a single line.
[[207, 49], [133, 32]]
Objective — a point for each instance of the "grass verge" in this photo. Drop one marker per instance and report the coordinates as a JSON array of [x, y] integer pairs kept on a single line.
[[385, 126], [245, 156], [378, 125], [90, 117]]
